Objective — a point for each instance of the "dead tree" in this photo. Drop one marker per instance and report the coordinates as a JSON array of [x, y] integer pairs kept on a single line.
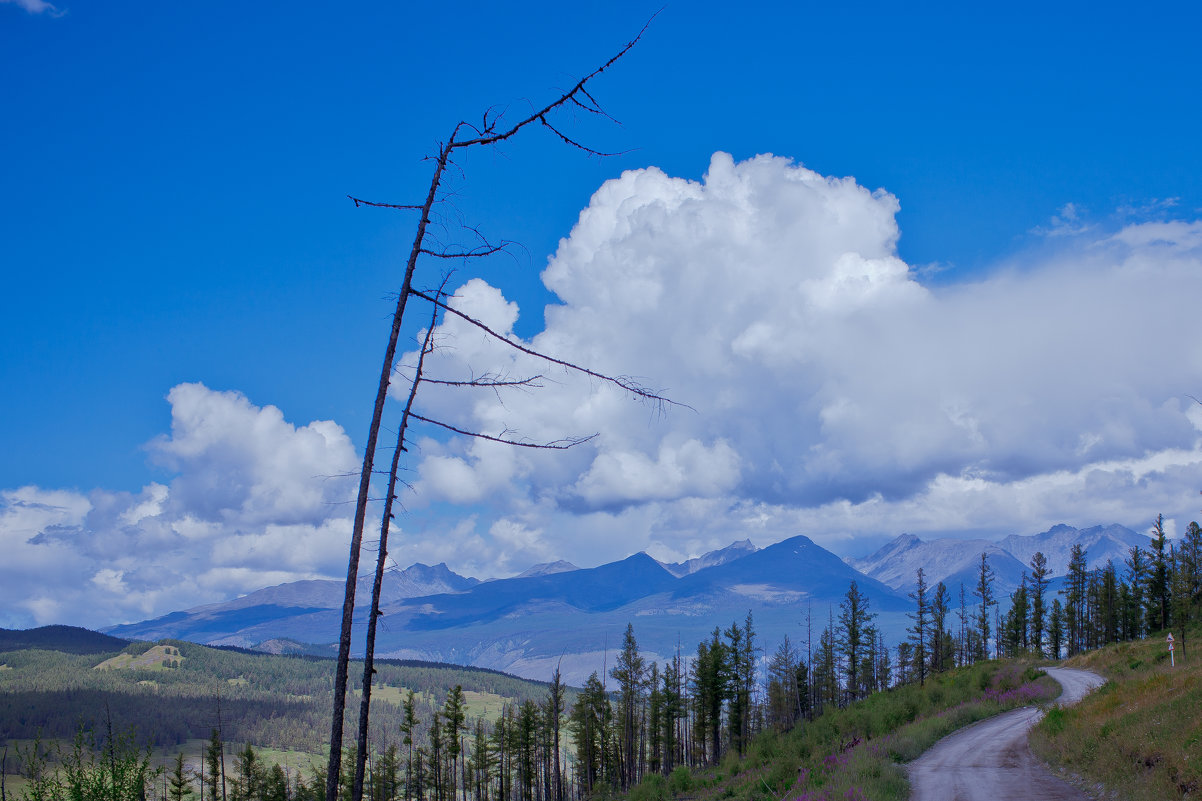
[[463, 137]]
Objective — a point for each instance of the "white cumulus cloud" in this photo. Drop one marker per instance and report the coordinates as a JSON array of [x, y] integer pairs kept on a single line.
[[829, 391], [255, 501], [834, 392]]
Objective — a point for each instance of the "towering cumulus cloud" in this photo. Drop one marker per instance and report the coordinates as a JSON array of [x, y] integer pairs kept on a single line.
[[833, 392], [830, 391]]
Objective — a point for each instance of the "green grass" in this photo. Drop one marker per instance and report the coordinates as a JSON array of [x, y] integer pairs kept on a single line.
[[476, 703], [1140, 735]]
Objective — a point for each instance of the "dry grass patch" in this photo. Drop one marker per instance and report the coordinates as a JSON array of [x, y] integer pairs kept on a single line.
[[157, 657], [1140, 735]]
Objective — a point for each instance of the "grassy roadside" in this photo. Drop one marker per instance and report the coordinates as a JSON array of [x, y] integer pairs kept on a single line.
[[1140, 735], [855, 754]]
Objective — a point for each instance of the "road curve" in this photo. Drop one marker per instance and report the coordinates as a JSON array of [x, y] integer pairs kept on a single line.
[[990, 760]]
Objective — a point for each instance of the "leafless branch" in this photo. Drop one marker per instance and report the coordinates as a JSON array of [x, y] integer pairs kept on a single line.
[[493, 138], [624, 382], [443, 159], [556, 445], [474, 253], [576, 144], [531, 382], [358, 201]]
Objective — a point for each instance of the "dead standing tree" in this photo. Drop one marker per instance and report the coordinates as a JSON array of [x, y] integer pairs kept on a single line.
[[463, 136]]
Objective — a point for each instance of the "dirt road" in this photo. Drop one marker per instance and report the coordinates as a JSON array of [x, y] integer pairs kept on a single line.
[[990, 760]]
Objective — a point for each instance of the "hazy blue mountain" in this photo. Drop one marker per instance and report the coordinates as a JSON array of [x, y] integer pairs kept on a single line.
[[215, 623], [574, 618], [547, 568], [946, 559], [530, 623], [955, 560], [736, 550], [796, 569], [594, 589], [1100, 542]]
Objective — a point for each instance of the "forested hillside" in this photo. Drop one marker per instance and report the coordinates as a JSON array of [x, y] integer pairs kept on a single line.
[[69, 639], [175, 691]]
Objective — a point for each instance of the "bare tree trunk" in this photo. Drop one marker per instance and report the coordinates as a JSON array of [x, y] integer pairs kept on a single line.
[[486, 136], [381, 558], [352, 571]]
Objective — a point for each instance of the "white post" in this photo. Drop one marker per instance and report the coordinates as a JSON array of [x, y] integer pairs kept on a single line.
[[1172, 659]]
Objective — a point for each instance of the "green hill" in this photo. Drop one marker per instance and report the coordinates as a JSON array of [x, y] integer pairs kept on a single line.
[[173, 691], [68, 639]]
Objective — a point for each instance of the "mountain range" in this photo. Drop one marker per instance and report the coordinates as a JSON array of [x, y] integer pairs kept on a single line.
[[559, 614], [953, 561]]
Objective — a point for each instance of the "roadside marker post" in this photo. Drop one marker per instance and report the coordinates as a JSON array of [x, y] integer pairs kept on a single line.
[[1172, 660]]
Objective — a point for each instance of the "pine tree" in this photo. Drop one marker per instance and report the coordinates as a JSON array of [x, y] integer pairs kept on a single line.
[[213, 761], [709, 691], [555, 710], [783, 706], [248, 775], [1056, 629], [1110, 605], [854, 623], [630, 673], [589, 724], [941, 651], [1191, 553], [275, 786], [1179, 598], [408, 731], [454, 723], [1158, 579], [883, 667], [1076, 596], [181, 787], [962, 641], [984, 592], [526, 749], [672, 706], [1039, 585], [826, 670], [1137, 579], [918, 632], [655, 731]]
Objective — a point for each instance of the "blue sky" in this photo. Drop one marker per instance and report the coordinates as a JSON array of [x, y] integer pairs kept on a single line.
[[174, 213]]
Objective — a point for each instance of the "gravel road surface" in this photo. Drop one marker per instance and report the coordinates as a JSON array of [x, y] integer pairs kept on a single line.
[[990, 760]]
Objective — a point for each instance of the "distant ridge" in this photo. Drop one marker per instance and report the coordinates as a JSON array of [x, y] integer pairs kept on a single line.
[[953, 561], [67, 639], [736, 550], [556, 616], [547, 569]]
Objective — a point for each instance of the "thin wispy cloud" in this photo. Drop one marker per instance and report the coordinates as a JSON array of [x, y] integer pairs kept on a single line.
[[38, 7]]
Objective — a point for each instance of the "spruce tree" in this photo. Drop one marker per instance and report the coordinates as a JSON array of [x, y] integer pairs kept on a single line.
[[984, 593], [1158, 579], [1039, 584], [180, 787], [854, 633], [918, 632]]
